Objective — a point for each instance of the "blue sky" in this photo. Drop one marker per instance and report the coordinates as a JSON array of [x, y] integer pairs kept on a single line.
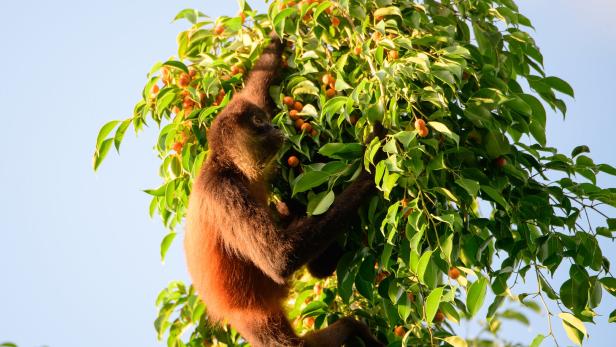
[[79, 262]]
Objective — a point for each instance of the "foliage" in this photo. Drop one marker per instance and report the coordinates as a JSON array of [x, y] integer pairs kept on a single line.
[[461, 88]]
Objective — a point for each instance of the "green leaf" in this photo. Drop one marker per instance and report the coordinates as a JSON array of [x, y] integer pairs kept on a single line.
[[165, 244], [190, 15], [471, 186], [559, 84], [333, 105], [309, 180], [314, 308], [320, 203], [450, 312], [443, 129], [305, 87], [101, 153], [405, 307], [609, 283], [537, 341], [579, 150], [575, 329], [612, 318], [322, 7], [345, 151], [375, 112], [423, 265], [176, 64], [432, 303], [570, 293], [283, 14], [548, 289], [119, 135], [495, 196], [388, 11], [105, 130], [164, 100], [476, 295], [608, 169], [447, 247], [389, 182], [456, 341], [517, 316]]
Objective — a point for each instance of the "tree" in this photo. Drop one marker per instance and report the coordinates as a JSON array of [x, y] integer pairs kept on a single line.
[[461, 88]]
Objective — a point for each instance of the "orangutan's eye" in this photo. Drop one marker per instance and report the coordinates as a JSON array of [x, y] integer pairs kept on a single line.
[[257, 121]]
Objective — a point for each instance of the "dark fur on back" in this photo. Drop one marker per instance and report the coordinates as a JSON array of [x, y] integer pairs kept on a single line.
[[238, 257]]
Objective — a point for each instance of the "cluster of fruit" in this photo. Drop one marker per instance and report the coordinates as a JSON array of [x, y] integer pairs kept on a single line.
[[421, 128], [439, 317], [295, 108], [308, 16]]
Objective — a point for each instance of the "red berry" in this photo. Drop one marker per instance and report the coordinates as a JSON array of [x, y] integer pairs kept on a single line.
[[501, 162]]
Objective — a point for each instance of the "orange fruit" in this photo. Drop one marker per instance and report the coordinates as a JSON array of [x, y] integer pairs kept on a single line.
[[188, 103], [454, 273], [392, 55], [293, 115], [293, 161], [399, 331], [298, 106], [306, 127], [184, 80], [328, 79], [423, 132], [177, 147], [287, 100]]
